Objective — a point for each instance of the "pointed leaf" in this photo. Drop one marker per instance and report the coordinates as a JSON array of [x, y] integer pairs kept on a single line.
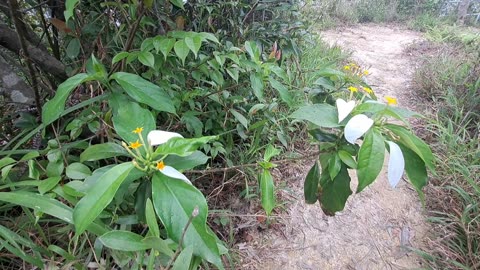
[[256, 81], [370, 159], [151, 219], [282, 91], [77, 171], [188, 162], [415, 168], [240, 118], [310, 187], [347, 159], [334, 193], [146, 58], [144, 91], [164, 45], [267, 191], [99, 196], [322, 115], [194, 43], [182, 147], [48, 184], [102, 151], [181, 49], [174, 203], [184, 259], [177, 3], [396, 164], [124, 241]]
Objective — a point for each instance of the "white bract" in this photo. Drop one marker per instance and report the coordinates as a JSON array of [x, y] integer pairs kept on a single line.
[[396, 164], [344, 108], [356, 127]]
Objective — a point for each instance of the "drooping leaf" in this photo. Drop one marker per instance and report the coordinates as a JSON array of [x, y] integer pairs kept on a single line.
[[240, 118], [282, 91], [335, 192], [144, 91], [174, 203], [99, 196], [267, 191], [164, 45], [102, 151], [194, 43], [415, 168], [6, 161], [54, 107], [310, 187], [181, 50], [322, 115], [370, 158]]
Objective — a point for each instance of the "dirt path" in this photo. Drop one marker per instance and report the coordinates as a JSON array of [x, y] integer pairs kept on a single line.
[[376, 226]]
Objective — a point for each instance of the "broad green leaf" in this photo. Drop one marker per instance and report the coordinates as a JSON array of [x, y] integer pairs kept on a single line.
[[33, 172], [52, 110], [184, 259], [48, 184], [322, 115], [120, 56], [267, 191], [188, 162], [233, 72], [408, 139], [129, 117], [182, 147], [334, 166], [370, 158], [208, 36], [322, 136], [77, 171], [256, 81], [144, 91], [415, 168], [18, 252], [282, 90], [181, 50], [174, 203], [347, 159], [178, 3], [102, 151], [6, 161], [270, 152], [99, 196], [146, 58], [252, 49], [73, 48], [310, 187], [124, 241], [164, 45], [6, 171], [97, 70], [159, 244], [69, 8], [240, 118], [334, 193], [194, 43], [55, 168], [30, 155], [151, 219]]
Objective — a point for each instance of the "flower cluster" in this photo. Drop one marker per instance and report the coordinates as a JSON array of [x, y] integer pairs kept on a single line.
[[355, 69], [145, 162]]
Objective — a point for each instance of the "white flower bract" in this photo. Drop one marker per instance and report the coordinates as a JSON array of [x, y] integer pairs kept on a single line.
[[344, 108], [356, 127], [396, 164], [157, 137], [173, 173]]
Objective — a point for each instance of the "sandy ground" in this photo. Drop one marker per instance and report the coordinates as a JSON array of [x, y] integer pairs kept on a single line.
[[379, 226]]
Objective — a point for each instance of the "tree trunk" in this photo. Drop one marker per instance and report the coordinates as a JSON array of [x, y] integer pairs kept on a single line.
[[463, 11]]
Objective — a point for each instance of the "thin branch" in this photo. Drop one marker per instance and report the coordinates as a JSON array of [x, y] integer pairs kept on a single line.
[[21, 38], [250, 12]]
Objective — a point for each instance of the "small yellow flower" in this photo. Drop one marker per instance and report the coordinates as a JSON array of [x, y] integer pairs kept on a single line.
[[391, 100], [365, 72], [138, 130], [368, 90], [160, 165], [352, 89], [135, 145], [346, 67]]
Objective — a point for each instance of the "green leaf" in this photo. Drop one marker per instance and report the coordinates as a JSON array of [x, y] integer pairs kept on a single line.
[[30, 155], [99, 196], [151, 219], [267, 191], [52, 110], [184, 259], [322, 115], [310, 187], [69, 9], [252, 49], [233, 72], [194, 43], [188, 162], [323, 136], [334, 166], [130, 116], [208, 36], [48, 184], [282, 90], [33, 172], [120, 56], [178, 3], [164, 45], [415, 168], [102, 151], [124, 241], [6, 161], [73, 48], [411, 141], [270, 152], [181, 50], [370, 158], [144, 91], [240, 118], [182, 147], [347, 159], [146, 58], [256, 81], [174, 202], [77, 171], [334, 194]]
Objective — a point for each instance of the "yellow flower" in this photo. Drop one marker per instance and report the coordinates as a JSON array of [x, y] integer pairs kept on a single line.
[[368, 90], [160, 165], [135, 145], [138, 130], [391, 100], [346, 67], [365, 72], [352, 89]]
